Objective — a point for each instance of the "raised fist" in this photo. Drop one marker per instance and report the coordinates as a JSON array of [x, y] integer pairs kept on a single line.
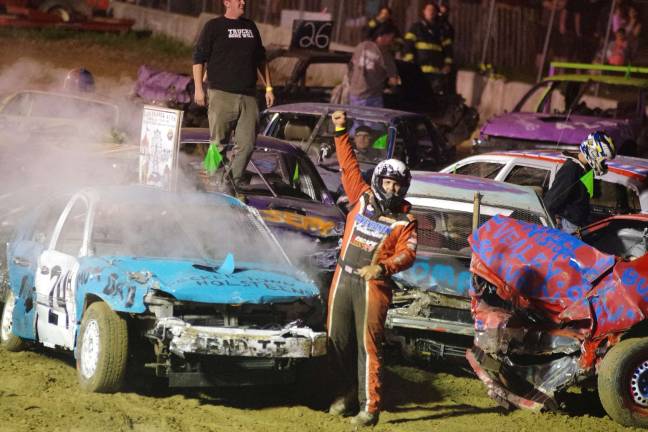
[[339, 119]]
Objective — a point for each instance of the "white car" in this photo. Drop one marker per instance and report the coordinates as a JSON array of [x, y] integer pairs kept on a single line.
[[622, 190], [430, 313]]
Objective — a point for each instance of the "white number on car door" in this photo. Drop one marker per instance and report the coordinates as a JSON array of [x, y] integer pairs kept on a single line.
[[56, 277]]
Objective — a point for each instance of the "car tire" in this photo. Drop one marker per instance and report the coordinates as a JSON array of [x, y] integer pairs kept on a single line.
[[66, 9], [621, 376], [8, 340], [102, 349]]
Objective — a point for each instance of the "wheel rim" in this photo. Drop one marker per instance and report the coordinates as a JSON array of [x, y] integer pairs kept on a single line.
[[639, 384], [61, 13], [90, 349], [7, 318]]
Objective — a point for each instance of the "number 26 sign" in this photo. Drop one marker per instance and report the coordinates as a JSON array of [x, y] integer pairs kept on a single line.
[[311, 34]]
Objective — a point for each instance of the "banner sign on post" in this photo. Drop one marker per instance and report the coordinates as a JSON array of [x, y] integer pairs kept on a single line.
[[159, 147], [315, 35]]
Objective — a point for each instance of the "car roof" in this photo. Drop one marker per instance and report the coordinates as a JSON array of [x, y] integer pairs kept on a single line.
[[458, 187], [149, 194], [306, 53], [365, 113], [627, 166], [605, 79], [201, 135]]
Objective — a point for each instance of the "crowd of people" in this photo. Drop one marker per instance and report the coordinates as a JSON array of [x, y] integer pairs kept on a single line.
[[580, 28], [428, 43]]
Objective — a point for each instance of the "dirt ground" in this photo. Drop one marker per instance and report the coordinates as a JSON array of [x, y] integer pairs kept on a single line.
[[38, 390]]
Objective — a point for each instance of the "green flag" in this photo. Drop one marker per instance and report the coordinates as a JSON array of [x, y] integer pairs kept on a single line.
[[588, 181], [213, 159], [296, 173], [381, 142]]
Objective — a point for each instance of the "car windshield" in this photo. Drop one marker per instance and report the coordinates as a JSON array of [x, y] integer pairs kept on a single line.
[[174, 228], [582, 98], [625, 238], [368, 137], [268, 171], [446, 225]]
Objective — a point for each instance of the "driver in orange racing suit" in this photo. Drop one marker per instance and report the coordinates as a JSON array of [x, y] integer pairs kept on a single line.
[[379, 240]]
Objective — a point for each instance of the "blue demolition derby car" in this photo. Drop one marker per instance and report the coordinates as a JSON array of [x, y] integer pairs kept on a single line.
[[195, 286]]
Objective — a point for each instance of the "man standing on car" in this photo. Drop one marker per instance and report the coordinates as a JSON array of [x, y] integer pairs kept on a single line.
[[568, 198], [231, 48], [371, 66], [379, 241]]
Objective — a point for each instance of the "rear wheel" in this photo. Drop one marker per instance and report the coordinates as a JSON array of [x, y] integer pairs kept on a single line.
[[102, 351], [8, 340], [623, 382]]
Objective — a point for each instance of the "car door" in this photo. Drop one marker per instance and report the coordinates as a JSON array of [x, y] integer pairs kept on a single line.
[[22, 259], [56, 276], [610, 199]]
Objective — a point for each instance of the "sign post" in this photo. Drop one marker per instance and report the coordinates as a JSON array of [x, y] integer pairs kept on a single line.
[[159, 147]]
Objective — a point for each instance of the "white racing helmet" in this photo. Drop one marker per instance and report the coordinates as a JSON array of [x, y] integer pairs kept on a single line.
[[395, 170], [598, 148]]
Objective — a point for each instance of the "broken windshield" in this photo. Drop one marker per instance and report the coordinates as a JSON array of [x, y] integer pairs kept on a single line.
[[175, 229], [581, 98]]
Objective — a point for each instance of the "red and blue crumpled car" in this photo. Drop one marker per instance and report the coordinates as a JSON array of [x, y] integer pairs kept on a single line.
[[553, 310]]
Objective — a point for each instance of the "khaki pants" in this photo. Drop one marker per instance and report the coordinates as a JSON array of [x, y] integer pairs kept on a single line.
[[228, 110]]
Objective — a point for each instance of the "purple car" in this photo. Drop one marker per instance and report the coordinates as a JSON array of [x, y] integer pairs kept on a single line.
[[559, 112], [286, 189]]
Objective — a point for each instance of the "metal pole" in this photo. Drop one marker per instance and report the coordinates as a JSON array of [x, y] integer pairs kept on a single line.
[[488, 31], [340, 14], [545, 48], [607, 31], [476, 210], [302, 6], [268, 5]]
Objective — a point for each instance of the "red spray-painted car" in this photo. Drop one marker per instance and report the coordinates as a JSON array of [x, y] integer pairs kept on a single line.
[[553, 310]]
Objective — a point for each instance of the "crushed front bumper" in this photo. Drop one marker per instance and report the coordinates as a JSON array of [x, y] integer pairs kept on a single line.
[[289, 342]]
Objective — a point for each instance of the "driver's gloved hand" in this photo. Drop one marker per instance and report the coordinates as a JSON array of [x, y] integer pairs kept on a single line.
[[326, 150]]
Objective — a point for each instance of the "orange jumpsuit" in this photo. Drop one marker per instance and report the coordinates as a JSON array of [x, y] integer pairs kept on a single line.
[[357, 308]]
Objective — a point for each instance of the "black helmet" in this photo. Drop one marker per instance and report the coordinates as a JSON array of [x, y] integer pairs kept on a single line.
[[79, 80]]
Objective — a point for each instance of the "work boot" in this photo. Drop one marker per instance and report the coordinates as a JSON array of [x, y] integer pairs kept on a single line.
[[342, 406], [365, 418]]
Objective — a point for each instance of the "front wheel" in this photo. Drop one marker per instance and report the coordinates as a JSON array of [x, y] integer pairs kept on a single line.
[[623, 382], [102, 351], [8, 339]]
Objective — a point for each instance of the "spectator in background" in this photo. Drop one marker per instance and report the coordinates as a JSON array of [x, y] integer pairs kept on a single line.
[[569, 28], [371, 66], [448, 42], [384, 16], [620, 16], [424, 46], [617, 52], [633, 30]]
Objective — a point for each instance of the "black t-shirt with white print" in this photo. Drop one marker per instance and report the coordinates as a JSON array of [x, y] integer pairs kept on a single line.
[[233, 51]]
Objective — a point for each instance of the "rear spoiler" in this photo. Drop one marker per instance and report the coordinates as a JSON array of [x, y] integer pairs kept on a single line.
[[627, 70]]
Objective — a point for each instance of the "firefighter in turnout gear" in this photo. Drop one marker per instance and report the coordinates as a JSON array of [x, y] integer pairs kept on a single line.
[[379, 240], [429, 45]]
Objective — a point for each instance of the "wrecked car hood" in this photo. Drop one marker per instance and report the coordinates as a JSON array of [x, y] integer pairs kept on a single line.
[[560, 276], [196, 281], [306, 217], [554, 128], [543, 293]]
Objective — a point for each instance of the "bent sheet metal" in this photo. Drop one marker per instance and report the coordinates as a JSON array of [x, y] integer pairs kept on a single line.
[[546, 306]]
